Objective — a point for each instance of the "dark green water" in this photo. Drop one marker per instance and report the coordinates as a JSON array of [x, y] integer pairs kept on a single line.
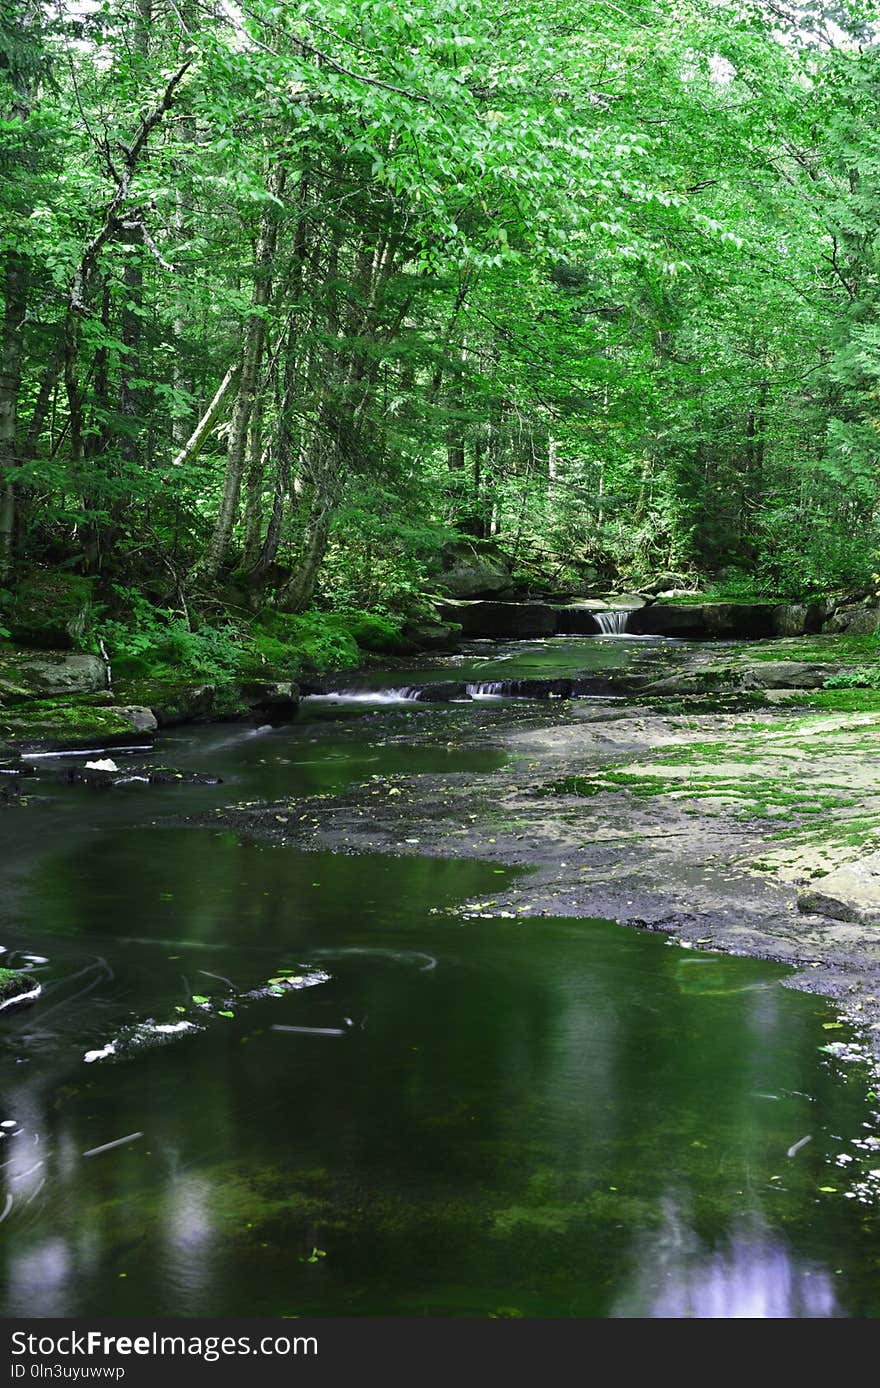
[[488, 1117]]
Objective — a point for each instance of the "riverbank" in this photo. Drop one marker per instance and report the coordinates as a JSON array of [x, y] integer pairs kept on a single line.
[[717, 792], [481, 1096], [716, 828]]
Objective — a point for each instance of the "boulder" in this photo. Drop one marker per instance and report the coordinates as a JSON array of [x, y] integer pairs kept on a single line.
[[431, 636], [50, 674], [854, 621], [275, 697], [17, 986], [631, 601], [170, 702], [140, 720], [65, 723], [746, 675], [785, 674], [107, 777], [501, 619], [850, 893], [705, 621], [797, 618], [51, 610], [472, 572]]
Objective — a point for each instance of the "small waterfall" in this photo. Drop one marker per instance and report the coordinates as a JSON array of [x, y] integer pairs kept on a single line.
[[367, 696], [612, 622], [485, 689]]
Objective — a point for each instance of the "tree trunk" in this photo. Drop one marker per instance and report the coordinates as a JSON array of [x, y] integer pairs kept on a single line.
[[16, 282], [253, 498], [299, 591], [15, 291], [195, 443], [130, 329], [252, 351], [131, 320], [284, 448]]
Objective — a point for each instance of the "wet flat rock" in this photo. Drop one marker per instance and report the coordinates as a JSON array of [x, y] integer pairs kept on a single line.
[[849, 893], [107, 776]]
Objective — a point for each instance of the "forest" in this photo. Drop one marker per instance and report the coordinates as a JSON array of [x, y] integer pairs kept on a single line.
[[296, 297], [439, 678]]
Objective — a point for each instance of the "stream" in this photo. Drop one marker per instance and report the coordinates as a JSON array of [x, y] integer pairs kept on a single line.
[[427, 1113]]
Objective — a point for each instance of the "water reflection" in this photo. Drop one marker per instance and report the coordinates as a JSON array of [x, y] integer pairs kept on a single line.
[[546, 1117], [753, 1274]]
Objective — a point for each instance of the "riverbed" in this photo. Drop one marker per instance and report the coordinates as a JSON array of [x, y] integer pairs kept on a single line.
[[264, 1078]]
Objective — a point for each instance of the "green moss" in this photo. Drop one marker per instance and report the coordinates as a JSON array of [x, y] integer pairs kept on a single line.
[[758, 797], [52, 720], [374, 633], [52, 610], [13, 982], [836, 700], [842, 650]]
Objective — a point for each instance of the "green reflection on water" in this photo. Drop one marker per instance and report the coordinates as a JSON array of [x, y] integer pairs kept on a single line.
[[521, 1117]]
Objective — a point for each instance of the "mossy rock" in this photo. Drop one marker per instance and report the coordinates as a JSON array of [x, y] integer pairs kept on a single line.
[[52, 610], [46, 674], [15, 983], [432, 636], [171, 700], [474, 570], [375, 633], [855, 621], [58, 724]]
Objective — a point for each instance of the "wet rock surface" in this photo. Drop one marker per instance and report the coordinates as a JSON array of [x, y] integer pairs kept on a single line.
[[516, 620], [743, 674], [711, 827], [60, 724], [710, 621], [106, 776], [847, 893]]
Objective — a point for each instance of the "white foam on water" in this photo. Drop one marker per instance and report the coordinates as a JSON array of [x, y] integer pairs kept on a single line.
[[90, 752], [365, 696], [21, 997]]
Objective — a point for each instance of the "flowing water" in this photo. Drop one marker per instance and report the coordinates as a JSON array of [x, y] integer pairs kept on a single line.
[[613, 622], [484, 668], [444, 1115]]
